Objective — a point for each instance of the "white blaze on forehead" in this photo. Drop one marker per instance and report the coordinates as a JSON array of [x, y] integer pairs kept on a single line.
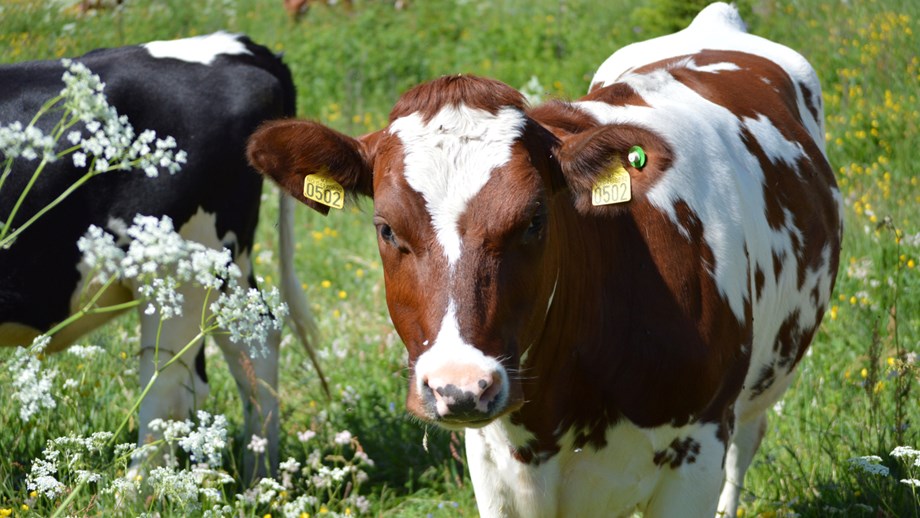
[[199, 49], [451, 157]]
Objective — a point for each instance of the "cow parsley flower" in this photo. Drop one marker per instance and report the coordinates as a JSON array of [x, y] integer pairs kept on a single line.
[[344, 438], [870, 464], [907, 455], [305, 435], [85, 351], [99, 250], [257, 444], [31, 384], [111, 139], [29, 143], [180, 487], [250, 315], [204, 443], [160, 261], [533, 91], [43, 476], [301, 505]]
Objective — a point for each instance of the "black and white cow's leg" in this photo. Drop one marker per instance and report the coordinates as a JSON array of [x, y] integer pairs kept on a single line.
[[744, 444], [256, 378], [179, 388]]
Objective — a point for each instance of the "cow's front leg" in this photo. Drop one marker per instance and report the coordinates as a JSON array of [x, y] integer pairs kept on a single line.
[[181, 386], [256, 378], [691, 475]]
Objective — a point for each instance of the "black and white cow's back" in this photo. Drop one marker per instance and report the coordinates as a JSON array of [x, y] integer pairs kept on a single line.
[[209, 93]]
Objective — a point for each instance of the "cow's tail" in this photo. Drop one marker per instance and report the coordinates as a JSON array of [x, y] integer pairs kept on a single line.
[[300, 318]]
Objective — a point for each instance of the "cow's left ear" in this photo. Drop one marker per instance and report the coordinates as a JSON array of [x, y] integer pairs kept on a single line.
[[595, 161], [289, 150]]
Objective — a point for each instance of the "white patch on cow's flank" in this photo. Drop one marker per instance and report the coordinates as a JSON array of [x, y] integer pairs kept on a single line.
[[713, 68], [451, 157], [198, 49], [774, 144]]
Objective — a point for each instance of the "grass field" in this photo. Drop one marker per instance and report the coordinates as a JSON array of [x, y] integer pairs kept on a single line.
[[855, 394]]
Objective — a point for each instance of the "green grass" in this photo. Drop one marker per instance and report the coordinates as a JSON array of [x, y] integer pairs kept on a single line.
[[853, 395]]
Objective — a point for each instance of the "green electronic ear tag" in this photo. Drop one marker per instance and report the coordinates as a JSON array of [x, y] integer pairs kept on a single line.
[[322, 189], [636, 157], [612, 187]]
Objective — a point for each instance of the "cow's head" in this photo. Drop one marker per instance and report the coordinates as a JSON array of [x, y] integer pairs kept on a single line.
[[467, 193]]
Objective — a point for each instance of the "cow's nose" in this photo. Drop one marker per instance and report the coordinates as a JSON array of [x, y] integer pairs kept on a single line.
[[464, 396]]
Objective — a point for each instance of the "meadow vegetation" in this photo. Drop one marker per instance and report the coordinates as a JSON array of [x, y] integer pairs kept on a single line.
[[832, 444]]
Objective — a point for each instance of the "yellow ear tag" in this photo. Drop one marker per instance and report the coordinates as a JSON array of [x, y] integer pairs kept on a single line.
[[322, 189], [612, 187]]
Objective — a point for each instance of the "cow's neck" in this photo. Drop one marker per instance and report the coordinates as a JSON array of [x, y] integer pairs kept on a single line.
[[558, 385]]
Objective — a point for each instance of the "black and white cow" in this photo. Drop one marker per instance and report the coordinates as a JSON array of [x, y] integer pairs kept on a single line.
[[209, 93]]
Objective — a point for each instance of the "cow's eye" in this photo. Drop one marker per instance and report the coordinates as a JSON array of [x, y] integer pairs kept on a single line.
[[534, 231], [386, 233]]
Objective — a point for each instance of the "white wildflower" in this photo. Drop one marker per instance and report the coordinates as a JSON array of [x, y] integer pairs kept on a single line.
[[43, 475], [110, 137], [362, 504], [533, 91], [178, 486], [27, 142], [257, 444], [907, 454], [173, 431], [344, 438], [86, 476], [289, 468], [290, 465], [362, 456], [218, 511], [306, 435], [870, 464], [911, 482], [85, 351], [123, 486], [327, 477], [301, 504], [204, 444], [249, 315], [31, 384], [267, 489], [99, 251]]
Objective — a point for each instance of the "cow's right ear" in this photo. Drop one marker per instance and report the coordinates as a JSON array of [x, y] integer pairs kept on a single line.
[[289, 150]]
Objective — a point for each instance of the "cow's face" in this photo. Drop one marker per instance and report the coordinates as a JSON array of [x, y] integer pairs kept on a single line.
[[465, 187], [462, 207]]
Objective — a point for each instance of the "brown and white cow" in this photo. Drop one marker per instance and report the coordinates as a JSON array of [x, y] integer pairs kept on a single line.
[[602, 358]]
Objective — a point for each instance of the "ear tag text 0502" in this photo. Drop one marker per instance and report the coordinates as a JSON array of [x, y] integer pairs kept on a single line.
[[323, 189], [612, 187]]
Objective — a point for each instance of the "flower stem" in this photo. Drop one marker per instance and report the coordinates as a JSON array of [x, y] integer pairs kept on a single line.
[[4, 239], [9, 222]]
